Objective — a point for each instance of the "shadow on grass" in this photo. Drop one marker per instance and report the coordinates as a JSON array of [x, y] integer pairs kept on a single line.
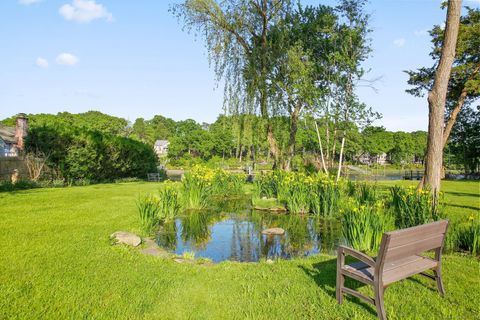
[[463, 194], [325, 273], [461, 206]]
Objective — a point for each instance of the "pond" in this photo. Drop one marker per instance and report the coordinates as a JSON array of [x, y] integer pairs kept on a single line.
[[233, 231]]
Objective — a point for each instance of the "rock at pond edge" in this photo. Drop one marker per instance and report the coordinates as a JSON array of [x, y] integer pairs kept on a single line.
[[273, 231], [127, 238]]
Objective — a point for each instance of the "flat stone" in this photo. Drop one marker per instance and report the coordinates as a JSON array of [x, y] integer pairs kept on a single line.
[[127, 238], [152, 249], [273, 231]]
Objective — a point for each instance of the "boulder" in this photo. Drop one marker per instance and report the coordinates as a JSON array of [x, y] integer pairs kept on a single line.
[[273, 231], [127, 238]]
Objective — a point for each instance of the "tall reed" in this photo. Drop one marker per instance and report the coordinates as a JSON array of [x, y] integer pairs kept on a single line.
[[363, 226], [412, 208], [196, 188], [148, 207], [468, 236], [169, 202], [325, 198]]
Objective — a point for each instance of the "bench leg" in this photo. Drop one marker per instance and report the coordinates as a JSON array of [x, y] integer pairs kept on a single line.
[[379, 302], [438, 277], [340, 284], [340, 276]]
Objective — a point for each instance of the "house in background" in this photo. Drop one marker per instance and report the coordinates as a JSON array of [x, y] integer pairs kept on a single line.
[[12, 139], [161, 147]]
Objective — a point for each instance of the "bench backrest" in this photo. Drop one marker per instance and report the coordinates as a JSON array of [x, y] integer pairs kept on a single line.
[[411, 241]]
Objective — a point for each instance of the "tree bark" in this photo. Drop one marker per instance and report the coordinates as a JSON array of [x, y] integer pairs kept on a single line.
[[437, 98], [340, 159], [321, 148], [293, 134]]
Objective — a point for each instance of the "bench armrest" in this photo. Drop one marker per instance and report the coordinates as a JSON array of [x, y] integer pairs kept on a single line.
[[357, 255]]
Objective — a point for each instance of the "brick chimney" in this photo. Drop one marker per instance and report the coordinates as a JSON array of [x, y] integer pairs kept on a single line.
[[21, 128]]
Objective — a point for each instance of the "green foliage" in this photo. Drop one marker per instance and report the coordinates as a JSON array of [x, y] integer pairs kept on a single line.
[[196, 188], [367, 193], [88, 121], [265, 185], [225, 184], [363, 226], [412, 208], [468, 236], [169, 202], [325, 200], [91, 155], [148, 208], [6, 186]]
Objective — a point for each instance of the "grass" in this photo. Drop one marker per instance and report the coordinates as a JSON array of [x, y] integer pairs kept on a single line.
[[57, 262]]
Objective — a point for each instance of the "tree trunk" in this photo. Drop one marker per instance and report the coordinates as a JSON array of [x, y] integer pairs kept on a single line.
[[437, 97], [340, 159], [321, 148], [293, 135]]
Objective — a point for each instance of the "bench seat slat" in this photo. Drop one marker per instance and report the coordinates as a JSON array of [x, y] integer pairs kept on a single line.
[[394, 270]]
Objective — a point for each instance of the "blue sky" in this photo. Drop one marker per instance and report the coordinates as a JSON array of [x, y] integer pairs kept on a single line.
[[132, 59]]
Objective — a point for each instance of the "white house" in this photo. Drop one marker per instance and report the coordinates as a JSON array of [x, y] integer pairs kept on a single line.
[[161, 147]]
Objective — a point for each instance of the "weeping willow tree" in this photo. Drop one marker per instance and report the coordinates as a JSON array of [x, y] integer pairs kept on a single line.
[[236, 33]]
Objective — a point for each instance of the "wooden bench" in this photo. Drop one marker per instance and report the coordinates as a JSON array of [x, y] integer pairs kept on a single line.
[[399, 257]]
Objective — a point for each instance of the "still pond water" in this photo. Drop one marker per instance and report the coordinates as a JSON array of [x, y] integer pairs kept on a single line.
[[233, 231]]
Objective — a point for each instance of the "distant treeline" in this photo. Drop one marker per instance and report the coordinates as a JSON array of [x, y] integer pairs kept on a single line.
[[238, 136]]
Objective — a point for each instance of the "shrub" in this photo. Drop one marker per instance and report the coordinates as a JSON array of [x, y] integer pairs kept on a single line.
[[363, 226], [6, 186], [169, 202], [468, 236], [412, 208], [148, 208], [97, 156]]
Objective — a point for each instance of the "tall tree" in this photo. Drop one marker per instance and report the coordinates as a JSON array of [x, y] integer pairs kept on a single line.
[[236, 34], [464, 84], [437, 98]]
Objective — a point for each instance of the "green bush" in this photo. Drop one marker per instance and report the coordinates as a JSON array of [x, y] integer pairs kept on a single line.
[[412, 208], [6, 186], [91, 155]]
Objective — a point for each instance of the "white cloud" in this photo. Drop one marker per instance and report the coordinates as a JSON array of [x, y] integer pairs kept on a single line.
[[84, 11], [28, 2], [400, 42], [421, 33], [41, 62], [67, 59]]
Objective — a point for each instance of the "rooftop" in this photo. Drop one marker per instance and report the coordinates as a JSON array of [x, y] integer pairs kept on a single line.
[[7, 134]]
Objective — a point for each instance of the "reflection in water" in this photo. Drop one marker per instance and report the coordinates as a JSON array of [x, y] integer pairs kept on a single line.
[[237, 236]]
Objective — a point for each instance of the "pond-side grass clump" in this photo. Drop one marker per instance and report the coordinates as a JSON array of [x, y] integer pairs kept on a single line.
[[412, 208]]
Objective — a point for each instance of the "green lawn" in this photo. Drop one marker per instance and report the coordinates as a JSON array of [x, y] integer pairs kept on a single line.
[[57, 262]]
